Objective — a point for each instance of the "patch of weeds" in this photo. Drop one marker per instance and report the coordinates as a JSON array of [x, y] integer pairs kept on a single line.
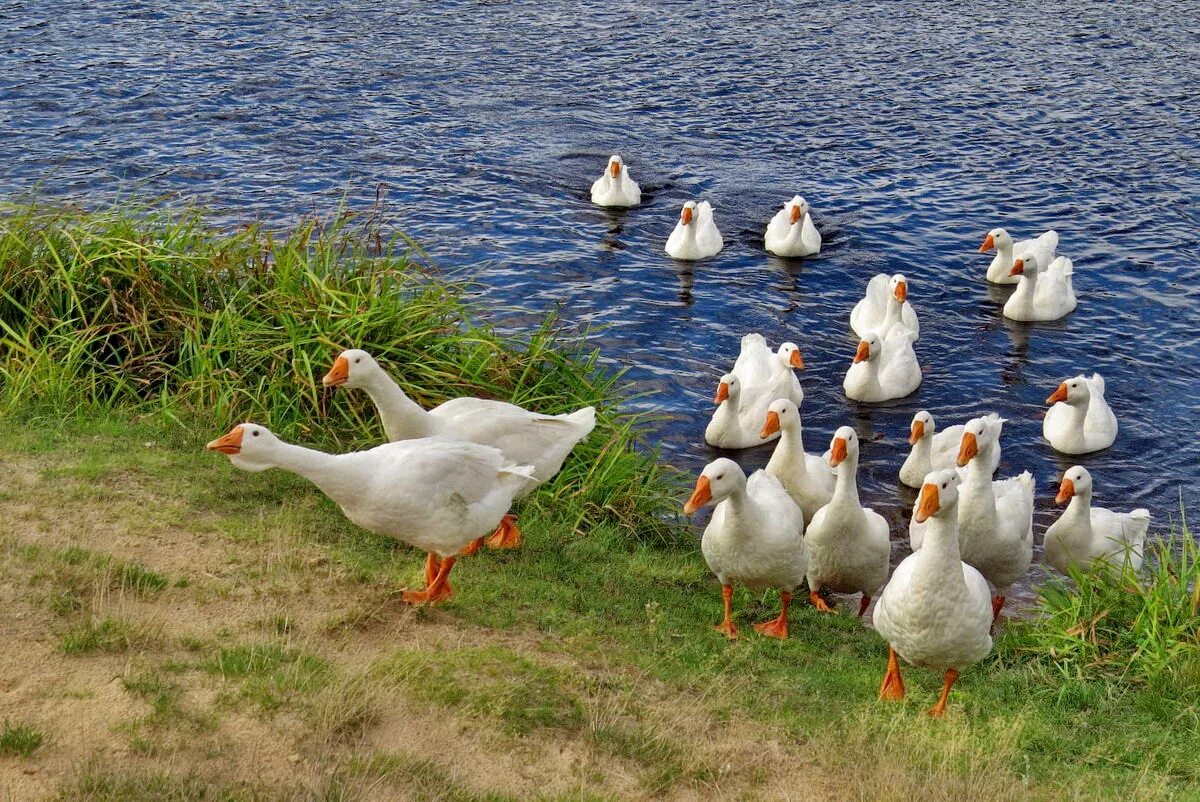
[[97, 784], [661, 757], [19, 739], [107, 634], [270, 674]]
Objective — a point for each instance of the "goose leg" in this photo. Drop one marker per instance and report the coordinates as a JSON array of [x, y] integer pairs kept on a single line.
[[997, 603], [819, 603], [432, 563], [939, 709], [726, 626], [863, 605], [506, 536], [892, 688], [438, 590], [777, 627]]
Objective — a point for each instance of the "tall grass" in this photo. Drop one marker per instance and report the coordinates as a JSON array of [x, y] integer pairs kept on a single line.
[[153, 310]]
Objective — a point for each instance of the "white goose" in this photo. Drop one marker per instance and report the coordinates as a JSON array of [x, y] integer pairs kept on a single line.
[[754, 537], [808, 479], [734, 423], [1080, 420], [767, 374], [791, 231], [616, 187], [995, 518], [936, 611], [884, 307], [1044, 293], [695, 235], [1000, 270], [525, 438], [934, 450], [847, 542], [1084, 534], [436, 494], [883, 369]]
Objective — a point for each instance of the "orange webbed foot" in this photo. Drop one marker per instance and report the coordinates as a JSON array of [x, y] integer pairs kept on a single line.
[[428, 596], [819, 603], [892, 688], [506, 536], [775, 628], [472, 547], [727, 629]]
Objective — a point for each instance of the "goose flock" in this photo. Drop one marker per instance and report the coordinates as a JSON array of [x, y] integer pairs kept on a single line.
[[447, 478]]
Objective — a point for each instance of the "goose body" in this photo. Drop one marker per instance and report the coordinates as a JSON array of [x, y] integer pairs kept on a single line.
[[847, 542], [883, 369], [754, 537], [1000, 269], [1080, 420], [696, 235], [791, 232], [616, 187], [934, 450], [885, 307], [807, 478], [1043, 293], [1085, 534]]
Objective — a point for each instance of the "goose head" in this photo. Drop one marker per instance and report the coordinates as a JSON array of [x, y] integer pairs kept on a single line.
[[615, 166], [789, 355], [868, 348], [922, 427], [249, 446], [718, 481], [782, 414], [797, 208], [977, 437], [1073, 391], [688, 214], [996, 238], [900, 287], [1026, 265], [939, 495], [352, 368], [1075, 482], [727, 389], [844, 446]]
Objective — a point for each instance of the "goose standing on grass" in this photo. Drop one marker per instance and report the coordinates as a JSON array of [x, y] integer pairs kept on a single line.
[[695, 235], [616, 187], [1079, 420], [933, 450], [847, 542], [807, 478], [524, 437], [1044, 293], [936, 612], [1000, 270], [753, 538], [995, 518], [883, 369], [884, 307], [791, 232], [1084, 534], [436, 494], [767, 374]]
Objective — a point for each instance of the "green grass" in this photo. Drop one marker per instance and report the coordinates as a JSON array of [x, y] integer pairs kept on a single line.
[[106, 633], [19, 739], [267, 674]]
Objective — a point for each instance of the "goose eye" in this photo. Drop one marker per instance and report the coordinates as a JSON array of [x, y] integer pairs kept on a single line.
[[720, 476], [254, 434], [943, 485], [358, 360]]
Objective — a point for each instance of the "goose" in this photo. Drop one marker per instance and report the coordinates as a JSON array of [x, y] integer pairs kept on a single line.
[[1044, 293], [1084, 534], [1079, 420], [936, 611], [1000, 270], [884, 307], [525, 438], [995, 518], [847, 542], [791, 231], [754, 538], [764, 373], [434, 493], [733, 424], [695, 235], [616, 187], [933, 450], [807, 478], [883, 369]]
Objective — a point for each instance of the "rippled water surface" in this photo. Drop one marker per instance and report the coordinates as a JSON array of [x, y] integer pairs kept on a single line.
[[911, 130]]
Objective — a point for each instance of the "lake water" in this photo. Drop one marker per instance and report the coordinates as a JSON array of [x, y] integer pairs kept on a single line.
[[911, 130]]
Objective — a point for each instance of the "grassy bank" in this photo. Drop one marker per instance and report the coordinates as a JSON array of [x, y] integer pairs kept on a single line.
[[208, 634]]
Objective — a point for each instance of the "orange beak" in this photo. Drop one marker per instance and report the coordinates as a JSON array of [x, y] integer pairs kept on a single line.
[[685, 216], [614, 168], [228, 444], [1058, 395], [796, 215], [771, 426], [988, 244], [968, 449], [339, 374], [918, 431], [700, 496], [722, 393], [1018, 268], [795, 360], [927, 504], [1066, 491], [902, 291], [837, 452], [863, 353]]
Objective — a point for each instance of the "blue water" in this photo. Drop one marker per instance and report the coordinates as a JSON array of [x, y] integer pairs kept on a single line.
[[911, 130]]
